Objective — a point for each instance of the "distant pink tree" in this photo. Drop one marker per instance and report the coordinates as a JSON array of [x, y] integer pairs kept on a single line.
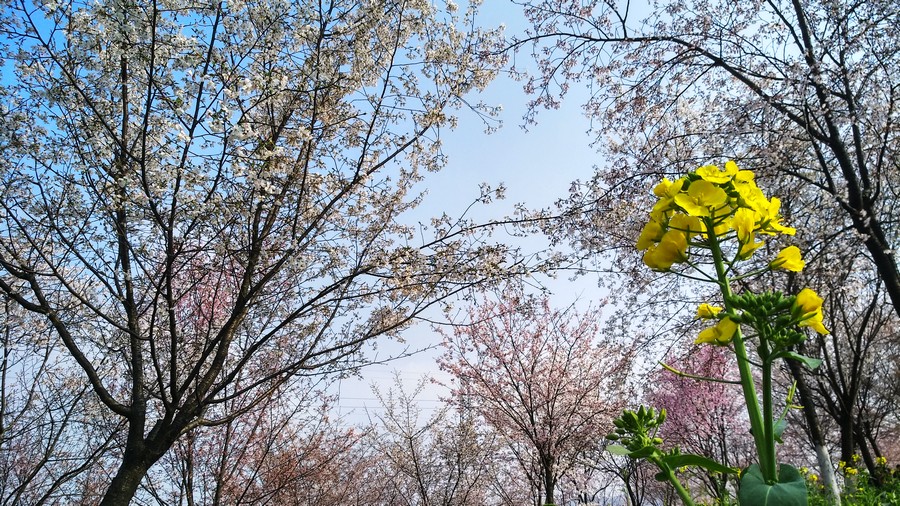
[[539, 376], [704, 417]]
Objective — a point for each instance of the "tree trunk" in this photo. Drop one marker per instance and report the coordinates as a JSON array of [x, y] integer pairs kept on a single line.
[[848, 439], [815, 433], [867, 457], [549, 483], [135, 464], [827, 471]]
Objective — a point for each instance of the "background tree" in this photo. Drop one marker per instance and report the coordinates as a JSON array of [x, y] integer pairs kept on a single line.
[[49, 432], [634, 478], [263, 153], [802, 90], [286, 451], [541, 377], [445, 459], [854, 384]]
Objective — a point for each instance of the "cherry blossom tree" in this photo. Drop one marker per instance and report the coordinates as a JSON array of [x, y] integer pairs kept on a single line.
[[445, 459], [854, 386], [635, 477], [704, 417], [541, 377], [260, 153], [286, 451]]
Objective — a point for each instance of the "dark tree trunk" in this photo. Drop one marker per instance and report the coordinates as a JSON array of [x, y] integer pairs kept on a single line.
[[815, 432], [867, 457], [848, 441], [549, 482], [136, 461], [126, 482]]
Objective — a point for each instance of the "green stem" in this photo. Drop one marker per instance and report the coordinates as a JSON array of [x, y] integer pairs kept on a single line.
[[679, 488], [768, 415], [682, 492], [764, 450], [757, 424], [683, 374]]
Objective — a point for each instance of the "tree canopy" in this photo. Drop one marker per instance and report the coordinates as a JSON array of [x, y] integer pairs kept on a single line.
[[205, 200]]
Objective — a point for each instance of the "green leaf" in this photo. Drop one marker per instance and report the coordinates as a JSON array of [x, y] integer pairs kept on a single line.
[[617, 450], [643, 452], [790, 490], [810, 363], [637, 454], [676, 461], [778, 428]]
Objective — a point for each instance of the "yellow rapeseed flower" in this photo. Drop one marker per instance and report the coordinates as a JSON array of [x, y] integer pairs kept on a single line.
[[771, 220], [747, 250], [672, 248], [660, 213], [722, 226], [721, 334], [749, 193], [707, 312], [789, 259], [662, 189], [744, 224], [740, 176], [808, 310], [808, 301], [666, 191], [650, 235], [690, 225], [701, 199], [712, 173]]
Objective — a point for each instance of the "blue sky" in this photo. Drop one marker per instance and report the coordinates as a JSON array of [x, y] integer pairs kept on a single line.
[[537, 166]]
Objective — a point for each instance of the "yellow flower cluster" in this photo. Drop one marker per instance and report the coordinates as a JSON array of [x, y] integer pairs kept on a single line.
[[716, 202], [716, 206], [811, 477], [847, 469]]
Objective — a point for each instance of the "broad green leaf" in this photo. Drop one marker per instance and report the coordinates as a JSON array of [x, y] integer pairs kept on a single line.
[[810, 363], [642, 453], [779, 427], [617, 450], [680, 460], [790, 490], [637, 454]]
